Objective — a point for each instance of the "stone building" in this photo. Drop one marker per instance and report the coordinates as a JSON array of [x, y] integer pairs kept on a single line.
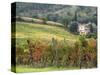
[[83, 29]]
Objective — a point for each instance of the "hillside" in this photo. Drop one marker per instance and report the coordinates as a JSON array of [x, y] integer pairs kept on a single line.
[[56, 12], [41, 32], [45, 39]]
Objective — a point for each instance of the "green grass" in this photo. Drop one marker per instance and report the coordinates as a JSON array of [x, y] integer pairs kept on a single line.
[[29, 30], [25, 31], [20, 69]]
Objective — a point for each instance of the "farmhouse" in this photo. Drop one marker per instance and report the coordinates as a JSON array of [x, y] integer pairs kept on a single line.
[[83, 29]]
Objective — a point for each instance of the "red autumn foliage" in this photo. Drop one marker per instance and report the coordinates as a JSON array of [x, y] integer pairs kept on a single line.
[[37, 54]]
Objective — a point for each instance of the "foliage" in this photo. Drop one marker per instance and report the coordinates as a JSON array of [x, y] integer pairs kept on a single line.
[[59, 54], [88, 53], [57, 13], [73, 27], [41, 50]]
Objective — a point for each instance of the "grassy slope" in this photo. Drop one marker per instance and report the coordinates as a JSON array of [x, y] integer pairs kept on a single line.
[[36, 31], [40, 32]]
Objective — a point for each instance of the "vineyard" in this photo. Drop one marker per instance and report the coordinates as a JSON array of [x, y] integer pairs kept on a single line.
[[41, 47]]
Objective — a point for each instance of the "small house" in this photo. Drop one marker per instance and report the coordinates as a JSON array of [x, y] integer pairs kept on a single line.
[[83, 29]]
